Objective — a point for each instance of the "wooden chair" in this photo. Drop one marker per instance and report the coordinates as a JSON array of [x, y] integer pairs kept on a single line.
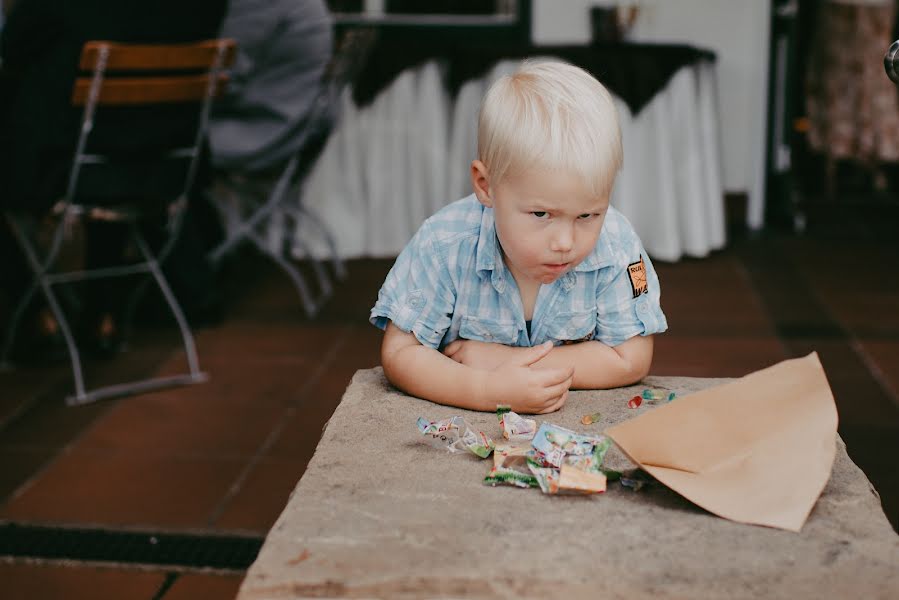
[[114, 76]]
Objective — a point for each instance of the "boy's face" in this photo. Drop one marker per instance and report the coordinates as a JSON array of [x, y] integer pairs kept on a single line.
[[547, 221]]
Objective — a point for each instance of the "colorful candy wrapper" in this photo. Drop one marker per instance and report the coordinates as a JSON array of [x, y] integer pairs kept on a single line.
[[553, 443], [547, 479], [455, 435], [510, 455], [591, 461], [588, 481], [502, 409], [516, 428], [635, 402], [510, 466], [563, 461], [591, 419], [658, 395], [570, 479], [501, 476]]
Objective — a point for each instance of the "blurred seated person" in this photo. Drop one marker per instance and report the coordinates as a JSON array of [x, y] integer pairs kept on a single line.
[[40, 46], [283, 49]]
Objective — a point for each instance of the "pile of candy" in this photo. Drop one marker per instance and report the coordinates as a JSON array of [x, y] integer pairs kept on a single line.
[[555, 459]]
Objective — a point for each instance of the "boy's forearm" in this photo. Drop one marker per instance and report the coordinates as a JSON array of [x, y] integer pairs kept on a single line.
[[597, 366], [426, 373]]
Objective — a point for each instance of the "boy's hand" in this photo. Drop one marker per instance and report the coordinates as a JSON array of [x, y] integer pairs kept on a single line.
[[528, 390], [480, 355]]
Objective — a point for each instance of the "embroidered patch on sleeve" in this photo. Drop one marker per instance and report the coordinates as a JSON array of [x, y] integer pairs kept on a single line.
[[637, 272]]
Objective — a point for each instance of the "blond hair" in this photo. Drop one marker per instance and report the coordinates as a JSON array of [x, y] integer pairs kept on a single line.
[[550, 115]]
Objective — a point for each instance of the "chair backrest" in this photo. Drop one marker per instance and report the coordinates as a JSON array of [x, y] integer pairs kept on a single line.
[[192, 71], [129, 76], [125, 76]]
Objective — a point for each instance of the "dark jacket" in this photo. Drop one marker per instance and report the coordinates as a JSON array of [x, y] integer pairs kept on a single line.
[[40, 46]]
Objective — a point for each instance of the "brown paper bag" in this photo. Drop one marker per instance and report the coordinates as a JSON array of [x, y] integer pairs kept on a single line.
[[758, 450]]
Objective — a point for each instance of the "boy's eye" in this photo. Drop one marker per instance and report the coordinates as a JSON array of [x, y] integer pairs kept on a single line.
[[586, 216], [539, 213]]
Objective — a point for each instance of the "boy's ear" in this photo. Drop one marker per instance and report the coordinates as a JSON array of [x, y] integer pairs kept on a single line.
[[481, 183]]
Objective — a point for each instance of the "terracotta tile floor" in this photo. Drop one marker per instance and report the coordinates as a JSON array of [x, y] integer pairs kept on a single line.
[[225, 455]]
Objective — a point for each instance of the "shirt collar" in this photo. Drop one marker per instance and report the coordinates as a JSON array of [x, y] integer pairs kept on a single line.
[[602, 255], [488, 259]]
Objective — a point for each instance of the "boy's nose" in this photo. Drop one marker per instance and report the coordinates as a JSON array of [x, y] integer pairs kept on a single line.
[[562, 239]]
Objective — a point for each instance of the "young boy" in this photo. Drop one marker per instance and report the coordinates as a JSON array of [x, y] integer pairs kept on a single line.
[[532, 285]]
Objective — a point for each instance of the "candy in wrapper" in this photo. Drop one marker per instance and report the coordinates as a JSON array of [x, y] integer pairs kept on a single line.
[[547, 479], [567, 462], [635, 402], [456, 435], [591, 419], [510, 466], [658, 395], [516, 428], [553, 443], [502, 409], [600, 449], [505, 476], [570, 479], [587, 481], [510, 455], [591, 461]]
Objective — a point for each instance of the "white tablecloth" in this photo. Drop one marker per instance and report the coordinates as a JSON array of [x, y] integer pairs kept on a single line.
[[391, 164]]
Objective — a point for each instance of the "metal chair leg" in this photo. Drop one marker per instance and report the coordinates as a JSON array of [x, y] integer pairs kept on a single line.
[[336, 262], [186, 335], [261, 215], [310, 307], [74, 355], [292, 240], [40, 270], [154, 383]]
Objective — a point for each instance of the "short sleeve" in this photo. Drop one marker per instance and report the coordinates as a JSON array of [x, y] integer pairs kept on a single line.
[[628, 304], [418, 295]]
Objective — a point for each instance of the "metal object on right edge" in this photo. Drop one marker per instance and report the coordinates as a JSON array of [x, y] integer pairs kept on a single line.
[[889, 62]]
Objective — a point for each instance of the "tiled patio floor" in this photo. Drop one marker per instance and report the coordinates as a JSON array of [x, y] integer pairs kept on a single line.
[[222, 457]]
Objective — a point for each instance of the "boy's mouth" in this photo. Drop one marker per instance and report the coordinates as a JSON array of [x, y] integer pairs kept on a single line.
[[557, 267]]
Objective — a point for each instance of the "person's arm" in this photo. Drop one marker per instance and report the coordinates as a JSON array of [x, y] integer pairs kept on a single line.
[[596, 365], [424, 372]]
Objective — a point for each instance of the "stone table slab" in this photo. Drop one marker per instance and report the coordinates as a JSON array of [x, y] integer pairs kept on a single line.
[[380, 514]]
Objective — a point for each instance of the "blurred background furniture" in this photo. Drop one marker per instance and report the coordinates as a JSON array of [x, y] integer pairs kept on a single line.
[[408, 134], [269, 129], [117, 82]]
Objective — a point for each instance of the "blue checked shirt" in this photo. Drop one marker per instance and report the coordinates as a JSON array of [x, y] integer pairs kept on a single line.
[[450, 282]]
